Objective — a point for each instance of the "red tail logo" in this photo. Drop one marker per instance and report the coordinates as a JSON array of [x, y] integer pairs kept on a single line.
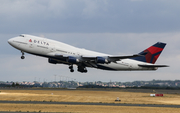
[[153, 54]]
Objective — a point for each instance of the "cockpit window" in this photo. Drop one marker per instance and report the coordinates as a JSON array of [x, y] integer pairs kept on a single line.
[[21, 35]]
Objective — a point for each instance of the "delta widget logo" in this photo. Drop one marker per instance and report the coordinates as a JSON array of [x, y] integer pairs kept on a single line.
[[30, 40]]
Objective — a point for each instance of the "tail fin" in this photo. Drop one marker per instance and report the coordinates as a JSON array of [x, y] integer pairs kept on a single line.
[[151, 54]]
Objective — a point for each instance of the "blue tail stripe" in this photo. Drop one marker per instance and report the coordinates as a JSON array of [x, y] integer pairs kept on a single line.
[[160, 45]]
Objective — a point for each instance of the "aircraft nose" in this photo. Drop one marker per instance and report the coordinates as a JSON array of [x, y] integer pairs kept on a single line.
[[10, 41]]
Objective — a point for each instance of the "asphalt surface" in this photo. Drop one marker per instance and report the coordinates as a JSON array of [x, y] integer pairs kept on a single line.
[[84, 103]]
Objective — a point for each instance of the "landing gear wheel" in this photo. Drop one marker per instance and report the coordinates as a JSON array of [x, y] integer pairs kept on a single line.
[[71, 67], [85, 71], [72, 70], [22, 57], [82, 69]]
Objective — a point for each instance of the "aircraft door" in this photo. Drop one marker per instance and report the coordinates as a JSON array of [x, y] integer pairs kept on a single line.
[[52, 48], [30, 43], [78, 53], [130, 66]]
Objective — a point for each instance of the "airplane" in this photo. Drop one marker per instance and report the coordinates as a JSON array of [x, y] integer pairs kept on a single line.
[[61, 53]]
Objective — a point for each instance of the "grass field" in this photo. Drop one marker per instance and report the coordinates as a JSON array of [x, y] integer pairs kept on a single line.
[[86, 96]]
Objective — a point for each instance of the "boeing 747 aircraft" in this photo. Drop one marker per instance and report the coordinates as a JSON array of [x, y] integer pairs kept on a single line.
[[61, 53]]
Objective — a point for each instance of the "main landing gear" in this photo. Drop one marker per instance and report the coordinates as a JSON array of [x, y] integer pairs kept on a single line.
[[82, 69], [22, 57], [71, 68]]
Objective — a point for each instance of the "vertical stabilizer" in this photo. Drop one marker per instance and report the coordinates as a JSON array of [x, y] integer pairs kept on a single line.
[[151, 54]]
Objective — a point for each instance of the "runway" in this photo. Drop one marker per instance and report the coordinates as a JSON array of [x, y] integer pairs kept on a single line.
[[84, 103]]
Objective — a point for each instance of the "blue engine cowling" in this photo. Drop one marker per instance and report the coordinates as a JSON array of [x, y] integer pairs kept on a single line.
[[101, 60], [72, 60], [52, 61]]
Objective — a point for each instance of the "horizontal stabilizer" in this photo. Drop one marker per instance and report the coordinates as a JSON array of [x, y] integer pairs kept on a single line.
[[141, 65]]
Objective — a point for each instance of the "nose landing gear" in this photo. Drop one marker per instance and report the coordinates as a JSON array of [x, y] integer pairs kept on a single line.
[[22, 57]]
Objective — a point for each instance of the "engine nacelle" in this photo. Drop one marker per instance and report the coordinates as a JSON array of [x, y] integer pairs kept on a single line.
[[52, 61], [102, 60], [72, 60]]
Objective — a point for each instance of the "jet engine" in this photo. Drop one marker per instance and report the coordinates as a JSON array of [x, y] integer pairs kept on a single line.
[[72, 60], [102, 60], [52, 61]]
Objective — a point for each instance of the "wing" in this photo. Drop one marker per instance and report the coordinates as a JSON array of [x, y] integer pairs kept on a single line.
[[93, 59], [97, 59]]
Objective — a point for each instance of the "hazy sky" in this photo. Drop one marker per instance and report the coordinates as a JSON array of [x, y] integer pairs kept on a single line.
[[119, 27]]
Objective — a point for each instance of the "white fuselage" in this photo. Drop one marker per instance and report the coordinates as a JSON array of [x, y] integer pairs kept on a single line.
[[50, 48]]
